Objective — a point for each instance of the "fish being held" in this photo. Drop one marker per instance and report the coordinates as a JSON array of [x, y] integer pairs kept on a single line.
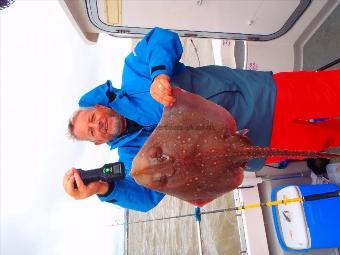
[[196, 153]]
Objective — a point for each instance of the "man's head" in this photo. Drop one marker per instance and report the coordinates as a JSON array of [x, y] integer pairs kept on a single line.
[[98, 124]]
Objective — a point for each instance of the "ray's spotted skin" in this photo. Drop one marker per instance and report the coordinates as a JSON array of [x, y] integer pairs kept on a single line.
[[196, 153]]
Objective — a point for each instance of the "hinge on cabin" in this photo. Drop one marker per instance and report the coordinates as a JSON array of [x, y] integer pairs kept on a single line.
[[190, 35], [123, 31], [253, 38]]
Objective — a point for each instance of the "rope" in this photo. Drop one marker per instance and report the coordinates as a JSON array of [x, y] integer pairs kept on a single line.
[[198, 213]]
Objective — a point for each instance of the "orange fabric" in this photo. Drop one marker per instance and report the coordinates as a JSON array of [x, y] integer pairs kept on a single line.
[[306, 95]]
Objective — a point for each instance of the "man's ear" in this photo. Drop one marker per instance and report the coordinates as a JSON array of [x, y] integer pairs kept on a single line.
[[98, 143], [98, 106]]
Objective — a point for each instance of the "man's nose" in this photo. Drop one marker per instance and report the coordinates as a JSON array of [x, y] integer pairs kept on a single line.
[[94, 124]]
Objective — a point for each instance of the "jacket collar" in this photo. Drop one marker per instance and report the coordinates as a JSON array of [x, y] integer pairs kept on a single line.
[[122, 140]]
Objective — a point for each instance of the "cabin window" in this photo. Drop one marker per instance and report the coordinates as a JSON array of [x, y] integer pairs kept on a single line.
[[256, 20]]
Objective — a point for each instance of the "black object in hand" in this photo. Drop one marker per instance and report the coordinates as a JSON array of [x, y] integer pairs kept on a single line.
[[108, 173]]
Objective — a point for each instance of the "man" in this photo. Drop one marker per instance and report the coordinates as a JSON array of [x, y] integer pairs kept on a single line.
[[124, 118]]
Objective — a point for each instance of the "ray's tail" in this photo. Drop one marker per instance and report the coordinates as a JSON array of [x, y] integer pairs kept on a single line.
[[261, 152]]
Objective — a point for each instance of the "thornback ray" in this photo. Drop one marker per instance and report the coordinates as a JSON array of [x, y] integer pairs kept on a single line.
[[196, 153]]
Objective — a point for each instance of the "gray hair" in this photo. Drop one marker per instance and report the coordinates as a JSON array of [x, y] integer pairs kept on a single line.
[[70, 125]]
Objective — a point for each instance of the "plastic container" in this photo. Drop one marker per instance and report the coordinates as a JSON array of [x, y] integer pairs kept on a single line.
[[308, 225]]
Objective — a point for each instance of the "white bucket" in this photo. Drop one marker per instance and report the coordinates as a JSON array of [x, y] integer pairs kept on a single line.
[[291, 216], [333, 172]]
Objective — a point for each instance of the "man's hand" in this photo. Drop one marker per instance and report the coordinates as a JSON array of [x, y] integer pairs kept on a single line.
[[82, 191], [161, 90]]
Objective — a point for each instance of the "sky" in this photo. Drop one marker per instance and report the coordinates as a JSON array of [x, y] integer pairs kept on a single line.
[[45, 67]]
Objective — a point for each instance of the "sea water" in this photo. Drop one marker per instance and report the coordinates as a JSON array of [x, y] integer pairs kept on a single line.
[[179, 236]]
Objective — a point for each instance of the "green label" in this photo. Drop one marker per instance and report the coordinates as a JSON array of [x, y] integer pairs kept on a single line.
[[107, 170]]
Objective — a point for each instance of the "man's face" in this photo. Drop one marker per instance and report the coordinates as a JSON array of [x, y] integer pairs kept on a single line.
[[99, 124]]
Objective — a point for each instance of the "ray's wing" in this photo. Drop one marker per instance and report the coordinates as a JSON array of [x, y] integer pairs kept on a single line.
[[185, 155]]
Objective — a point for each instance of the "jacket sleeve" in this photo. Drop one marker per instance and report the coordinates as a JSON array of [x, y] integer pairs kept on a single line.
[[161, 49], [128, 194]]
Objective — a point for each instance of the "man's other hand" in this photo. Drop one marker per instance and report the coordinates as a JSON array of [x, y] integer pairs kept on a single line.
[[82, 191], [161, 90]]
